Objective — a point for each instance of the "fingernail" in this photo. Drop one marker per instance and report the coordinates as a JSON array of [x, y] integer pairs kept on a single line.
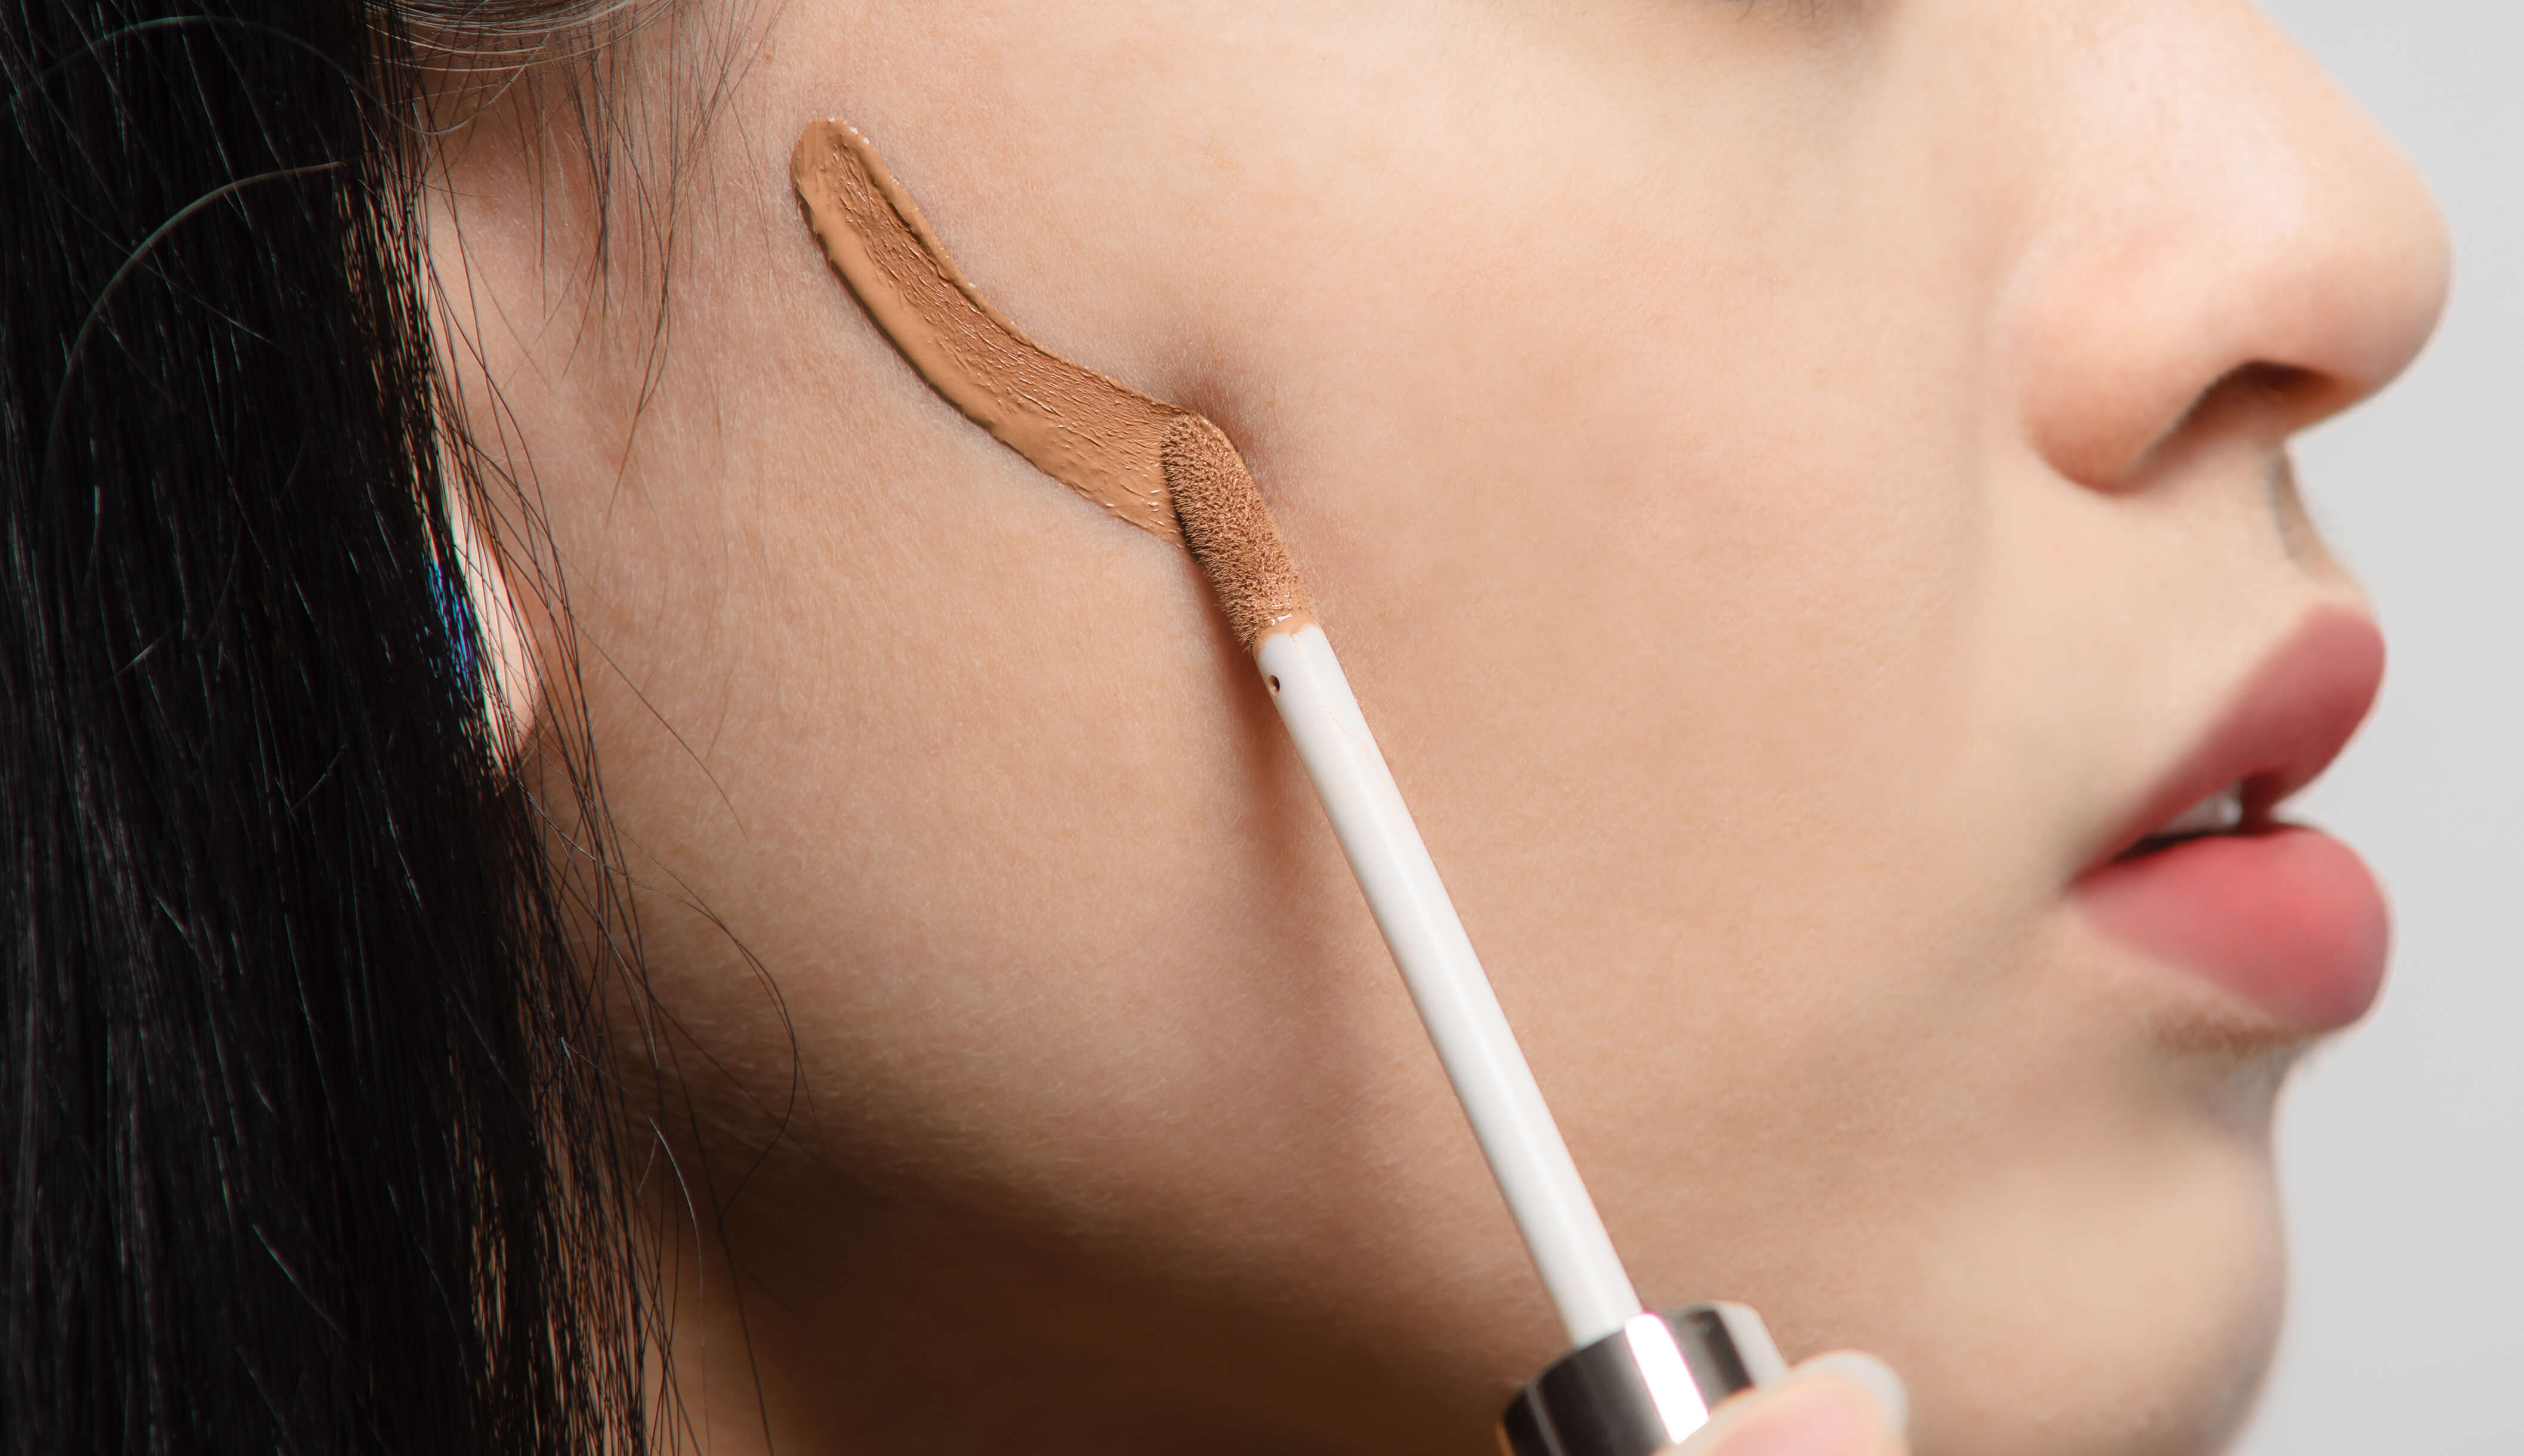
[[1875, 1378]]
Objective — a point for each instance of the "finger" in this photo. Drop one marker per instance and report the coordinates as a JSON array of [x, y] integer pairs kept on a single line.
[[1841, 1404]]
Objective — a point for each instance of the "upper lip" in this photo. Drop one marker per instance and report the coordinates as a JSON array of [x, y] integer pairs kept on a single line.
[[2290, 719]]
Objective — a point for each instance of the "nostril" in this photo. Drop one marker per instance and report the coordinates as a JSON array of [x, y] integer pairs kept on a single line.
[[2259, 401], [2285, 397], [2268, 383]]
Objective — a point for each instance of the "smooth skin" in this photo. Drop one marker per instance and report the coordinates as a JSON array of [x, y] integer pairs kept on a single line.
[[1785, 478]]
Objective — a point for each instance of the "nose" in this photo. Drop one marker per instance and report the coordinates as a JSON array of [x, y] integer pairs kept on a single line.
[[2221, 215]]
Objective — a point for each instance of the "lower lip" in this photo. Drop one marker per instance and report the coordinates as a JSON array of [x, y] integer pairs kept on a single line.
[[2288, 918]]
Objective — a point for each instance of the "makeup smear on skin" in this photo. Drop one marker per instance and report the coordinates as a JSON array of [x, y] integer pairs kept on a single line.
[[1103, 440], [1649, 1379]]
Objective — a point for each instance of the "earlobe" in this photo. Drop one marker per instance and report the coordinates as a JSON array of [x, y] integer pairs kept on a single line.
[[503, 656]]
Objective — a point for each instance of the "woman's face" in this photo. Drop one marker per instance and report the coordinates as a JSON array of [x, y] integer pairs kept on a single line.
[[1793, 483]]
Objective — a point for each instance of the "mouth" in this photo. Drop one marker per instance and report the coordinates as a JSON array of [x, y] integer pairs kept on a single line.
[[2207, 879], [2221, 812]]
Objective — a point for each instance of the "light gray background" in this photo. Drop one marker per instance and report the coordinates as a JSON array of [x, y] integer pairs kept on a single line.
[[2402, 1146]]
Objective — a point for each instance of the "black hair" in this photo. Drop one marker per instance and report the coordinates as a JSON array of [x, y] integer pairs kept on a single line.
[[310, 1142]]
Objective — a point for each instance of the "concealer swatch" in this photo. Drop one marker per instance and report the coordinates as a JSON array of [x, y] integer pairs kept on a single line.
[[1099, 438]]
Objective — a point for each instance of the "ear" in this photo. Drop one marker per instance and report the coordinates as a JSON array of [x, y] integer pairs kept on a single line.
[[511, 678]]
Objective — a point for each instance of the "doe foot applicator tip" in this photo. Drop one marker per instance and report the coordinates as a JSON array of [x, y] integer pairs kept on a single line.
[[1229, 533]]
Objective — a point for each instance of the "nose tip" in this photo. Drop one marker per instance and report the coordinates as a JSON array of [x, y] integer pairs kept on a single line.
[[2225, 215]]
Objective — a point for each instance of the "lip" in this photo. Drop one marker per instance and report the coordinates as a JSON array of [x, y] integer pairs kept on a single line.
[[2284, 916]]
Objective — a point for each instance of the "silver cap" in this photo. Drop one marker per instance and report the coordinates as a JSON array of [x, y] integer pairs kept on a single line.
[[1643, 1388]]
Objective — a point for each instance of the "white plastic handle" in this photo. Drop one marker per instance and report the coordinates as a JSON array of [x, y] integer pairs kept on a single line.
[[1552, 1210]]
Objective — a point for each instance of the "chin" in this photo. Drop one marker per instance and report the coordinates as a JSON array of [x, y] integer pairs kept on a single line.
[[2127, 1307]]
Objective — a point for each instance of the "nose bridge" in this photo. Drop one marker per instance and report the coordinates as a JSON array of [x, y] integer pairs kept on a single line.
[[2217, 205]]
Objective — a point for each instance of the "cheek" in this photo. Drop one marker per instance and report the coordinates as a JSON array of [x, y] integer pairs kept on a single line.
[[1674, 672], [1659, 580]]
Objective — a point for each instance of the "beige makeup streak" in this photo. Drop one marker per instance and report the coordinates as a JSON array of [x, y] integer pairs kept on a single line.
[[1101, 438]]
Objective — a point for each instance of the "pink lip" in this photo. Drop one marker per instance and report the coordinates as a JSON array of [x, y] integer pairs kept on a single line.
[[2287, 917]]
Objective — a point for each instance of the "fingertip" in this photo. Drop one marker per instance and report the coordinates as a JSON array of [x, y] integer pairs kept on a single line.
[[1892, 1398], [1842, 1404]]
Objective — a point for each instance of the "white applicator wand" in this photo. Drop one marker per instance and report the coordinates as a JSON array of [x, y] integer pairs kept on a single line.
[[1634, 1380]]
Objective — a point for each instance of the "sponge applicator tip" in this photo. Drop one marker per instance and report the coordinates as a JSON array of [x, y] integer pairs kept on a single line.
[[1229, 532]]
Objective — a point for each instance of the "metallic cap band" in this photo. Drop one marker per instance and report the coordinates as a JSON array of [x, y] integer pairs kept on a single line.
[[1643, 1388]]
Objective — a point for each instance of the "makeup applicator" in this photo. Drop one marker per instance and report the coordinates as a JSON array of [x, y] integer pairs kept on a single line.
[[1635, 1381]]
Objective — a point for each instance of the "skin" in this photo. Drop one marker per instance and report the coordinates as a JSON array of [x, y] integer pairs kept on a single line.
[[1784, 478]]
